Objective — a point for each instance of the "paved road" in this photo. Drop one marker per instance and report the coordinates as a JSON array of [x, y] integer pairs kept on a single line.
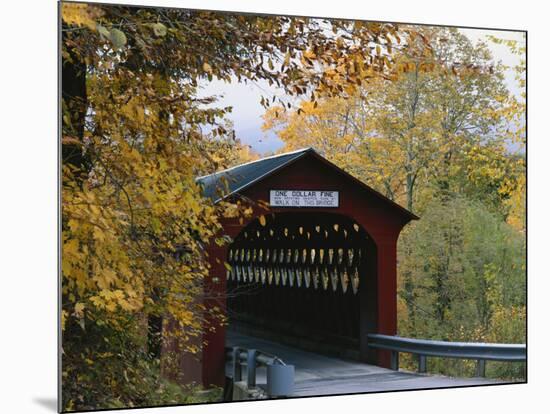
[[323, 375]]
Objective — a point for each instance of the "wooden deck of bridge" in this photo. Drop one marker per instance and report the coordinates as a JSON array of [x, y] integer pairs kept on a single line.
[[317, 374]]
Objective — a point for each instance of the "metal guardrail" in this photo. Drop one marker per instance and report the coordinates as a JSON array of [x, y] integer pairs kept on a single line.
[[280, 376], [462, 350]]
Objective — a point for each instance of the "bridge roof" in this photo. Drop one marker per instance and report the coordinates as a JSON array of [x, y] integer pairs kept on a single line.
[[242, 176]]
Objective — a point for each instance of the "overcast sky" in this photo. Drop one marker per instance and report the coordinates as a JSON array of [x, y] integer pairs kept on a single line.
[[247, 111]]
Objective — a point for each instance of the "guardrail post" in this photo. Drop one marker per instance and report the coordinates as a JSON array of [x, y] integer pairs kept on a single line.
[[237, 369], [480, 368], [422, 364], [280, 380], [394, 360], [251, 368]]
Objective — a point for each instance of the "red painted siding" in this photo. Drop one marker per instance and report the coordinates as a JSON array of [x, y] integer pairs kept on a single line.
[[382, 220]]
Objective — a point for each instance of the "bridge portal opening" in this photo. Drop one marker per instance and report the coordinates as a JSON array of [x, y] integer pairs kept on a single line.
[[305, 279], [318, 273]]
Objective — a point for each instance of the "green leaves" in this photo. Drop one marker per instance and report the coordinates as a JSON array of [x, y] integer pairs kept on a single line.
[[159, 29], [103, 31], [118, 38], [460, 274]]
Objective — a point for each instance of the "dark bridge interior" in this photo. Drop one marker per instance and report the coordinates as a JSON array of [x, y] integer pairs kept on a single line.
[[306, 279]]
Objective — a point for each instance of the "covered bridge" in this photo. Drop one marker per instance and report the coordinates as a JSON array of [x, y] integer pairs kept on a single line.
[[315, 264]]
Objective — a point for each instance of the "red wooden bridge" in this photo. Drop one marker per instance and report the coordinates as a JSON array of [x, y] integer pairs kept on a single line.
[[313, 268]]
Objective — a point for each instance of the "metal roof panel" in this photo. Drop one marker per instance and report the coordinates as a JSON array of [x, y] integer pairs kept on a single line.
[[223, 183]]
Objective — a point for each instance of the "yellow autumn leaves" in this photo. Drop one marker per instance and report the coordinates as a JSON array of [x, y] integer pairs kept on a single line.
[[80, 14]]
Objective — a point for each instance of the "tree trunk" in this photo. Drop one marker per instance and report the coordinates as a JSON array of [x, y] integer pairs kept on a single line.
[[74, 105], [410, 191]]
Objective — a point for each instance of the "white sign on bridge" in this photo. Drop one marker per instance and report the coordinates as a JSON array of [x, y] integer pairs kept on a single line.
[[303, 198]]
